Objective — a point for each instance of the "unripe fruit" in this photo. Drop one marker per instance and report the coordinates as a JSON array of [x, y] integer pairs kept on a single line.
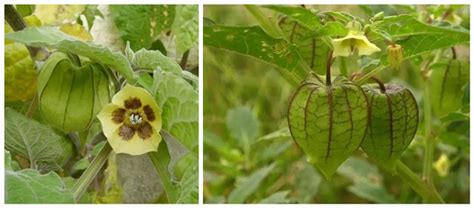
[[393, 122], [328, 121], [70, 96]]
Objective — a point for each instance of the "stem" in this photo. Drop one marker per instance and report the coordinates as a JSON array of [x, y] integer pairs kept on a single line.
[[13, 18], [370, 74], [453, 50], [428, 193], [91, 172], [328, 69], [184, 60], [17, 23], [429, 139], [160, 160], [380, 83]]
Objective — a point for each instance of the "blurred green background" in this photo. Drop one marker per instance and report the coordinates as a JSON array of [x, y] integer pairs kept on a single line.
[[249, 156]]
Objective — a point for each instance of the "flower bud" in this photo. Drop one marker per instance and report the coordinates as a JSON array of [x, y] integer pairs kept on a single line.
[[70, 96], [395, 55], [442, 165], [377, 17]]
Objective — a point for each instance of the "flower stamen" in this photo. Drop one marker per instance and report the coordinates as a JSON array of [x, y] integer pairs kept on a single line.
[[135, 119]]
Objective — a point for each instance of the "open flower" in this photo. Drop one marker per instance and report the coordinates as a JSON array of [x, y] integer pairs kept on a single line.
[[354, 42], [132, 121]]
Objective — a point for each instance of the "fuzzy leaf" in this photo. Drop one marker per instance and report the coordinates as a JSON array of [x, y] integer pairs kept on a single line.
[[43, 147], [186, 27], [52, 37], [179, 102], [30, 187]]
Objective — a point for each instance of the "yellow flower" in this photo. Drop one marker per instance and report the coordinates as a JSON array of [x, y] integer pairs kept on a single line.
[[442, 165], [354, 42], [132, 121], [453, 19]]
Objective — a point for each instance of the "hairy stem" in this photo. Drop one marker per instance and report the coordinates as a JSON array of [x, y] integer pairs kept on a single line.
[[17, 23], [91, 172], [429, 194]]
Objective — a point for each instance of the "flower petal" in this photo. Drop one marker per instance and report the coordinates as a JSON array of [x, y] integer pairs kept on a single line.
[[136, 145], [108, 116], [341, 48], [365, 47]]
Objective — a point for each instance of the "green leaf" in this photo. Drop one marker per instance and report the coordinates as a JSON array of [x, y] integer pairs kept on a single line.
[[25, 9], [243, 125], [276, 198], [245, 187], [10, 164], [254, 42], [151, 60], [53, 38], [42, 146], [447, 81], [160, 160], [307, 182], [224, 149], [142, 24], [421, 37], [302, 15], [186, 27], [90, 12], [179, 103], [189, 186], [30, 187], [368, 183], [313, 49], [455, 116], [406, 25], [81, 164]]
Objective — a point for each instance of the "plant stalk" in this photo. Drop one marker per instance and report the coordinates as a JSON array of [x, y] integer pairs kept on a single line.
[[91, 172], [428, 193], [429, 139], [17, 23]]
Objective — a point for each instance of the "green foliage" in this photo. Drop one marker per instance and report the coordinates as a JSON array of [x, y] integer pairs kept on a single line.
[[30, 186], [264, 86], [243, 125], [253, 41], [142, 24], [186, 27], [39, 144], [52, 37], [73, 162]]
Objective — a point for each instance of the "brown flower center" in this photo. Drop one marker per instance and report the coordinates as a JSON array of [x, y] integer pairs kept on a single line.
[[132, 103], [138, 119]]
